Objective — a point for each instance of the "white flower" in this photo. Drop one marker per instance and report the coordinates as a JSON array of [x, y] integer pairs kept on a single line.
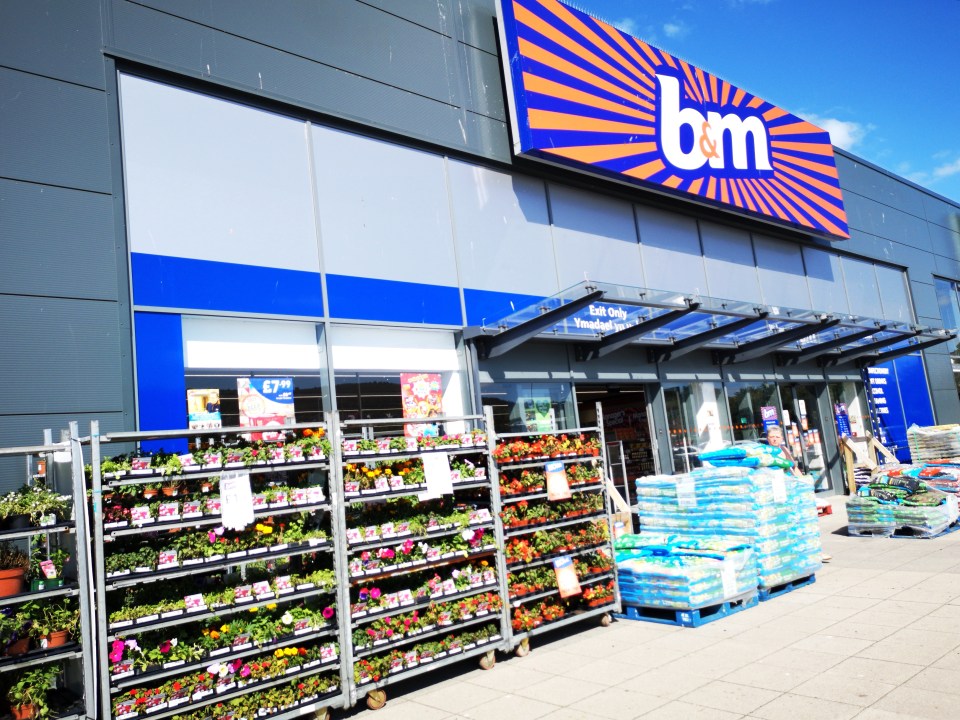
[[467, 534], [215, 668], [173, 642], [287, 618]]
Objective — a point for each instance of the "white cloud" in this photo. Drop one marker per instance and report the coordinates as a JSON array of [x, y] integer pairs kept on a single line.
[[947, 170], [627, 25], [843, 133], [675, 29]]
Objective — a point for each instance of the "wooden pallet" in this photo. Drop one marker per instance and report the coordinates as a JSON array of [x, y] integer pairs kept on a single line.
[[787, 587]]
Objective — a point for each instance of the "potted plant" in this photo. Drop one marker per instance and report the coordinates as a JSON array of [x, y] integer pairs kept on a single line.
[[14, 631], [28, 692], [52, 623], [45, 576], [14, 513], [13, 567]]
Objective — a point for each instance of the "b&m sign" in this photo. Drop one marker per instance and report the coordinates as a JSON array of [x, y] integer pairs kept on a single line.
[[585, 95]]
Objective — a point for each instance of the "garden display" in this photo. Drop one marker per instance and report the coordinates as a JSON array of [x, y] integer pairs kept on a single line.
[[44, 596], [421, 547], [775, 513], [219, 577], [900, 503], [556, 531]]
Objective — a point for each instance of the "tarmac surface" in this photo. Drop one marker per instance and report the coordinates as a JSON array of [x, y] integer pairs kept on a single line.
[[876, 637]]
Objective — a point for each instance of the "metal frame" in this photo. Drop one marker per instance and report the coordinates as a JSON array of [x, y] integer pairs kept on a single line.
[[85, 652], [104, 634], [519, 641]]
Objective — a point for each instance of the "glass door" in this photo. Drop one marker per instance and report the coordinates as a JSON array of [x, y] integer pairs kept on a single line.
[[803, 431], [749, 404]]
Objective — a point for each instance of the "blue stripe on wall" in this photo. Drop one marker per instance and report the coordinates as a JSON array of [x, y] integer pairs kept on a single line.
[[174, 282], [487, 306], [161, 390], [357, 298]]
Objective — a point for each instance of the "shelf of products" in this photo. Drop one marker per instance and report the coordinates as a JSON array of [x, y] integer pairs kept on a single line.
[[556, 525], [219, 574], [421, 574], [46, 665]]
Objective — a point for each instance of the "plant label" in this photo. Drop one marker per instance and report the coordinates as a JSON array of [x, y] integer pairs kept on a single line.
[[242, 593], [212, 460], [392, 600], [49, 569], [489, 577], [386, 530], [169, 511], [381, 484], [483, 515], [567, 580], [298, 497], [328, 653], [371, 532], [282, 583], [167, 558], [140, 515], [315, 495], [140, 465], [354, 536], [405, 597], [262, 588], [192, 509], [350, 447], [259, 501], [295, 452], [195, 602], [396, 482], [281, 498], [213, 506], [558, 487]]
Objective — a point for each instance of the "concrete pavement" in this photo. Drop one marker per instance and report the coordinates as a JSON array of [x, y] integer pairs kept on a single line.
[[877, 637]]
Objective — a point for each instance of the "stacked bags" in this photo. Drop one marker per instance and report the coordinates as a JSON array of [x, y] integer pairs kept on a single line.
[[747, 455], [683, 573], [773, 513], [900, 503], [934, 442]]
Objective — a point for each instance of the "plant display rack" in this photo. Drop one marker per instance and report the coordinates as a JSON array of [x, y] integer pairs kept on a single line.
[[537, 531], [60, 467], [420, 577], [199, 621]]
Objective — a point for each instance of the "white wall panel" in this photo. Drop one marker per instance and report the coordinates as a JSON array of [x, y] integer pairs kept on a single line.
[[825, 279], [670, 248], [728, 256], [863, 293], [502, 229], [384, 210], [594, 236], [782, 278], [211, 342], [213, 180]]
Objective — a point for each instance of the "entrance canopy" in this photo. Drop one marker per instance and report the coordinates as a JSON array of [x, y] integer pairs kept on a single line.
[[601, 318]]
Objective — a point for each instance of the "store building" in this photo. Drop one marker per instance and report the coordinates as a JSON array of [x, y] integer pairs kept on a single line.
[[330, 192]]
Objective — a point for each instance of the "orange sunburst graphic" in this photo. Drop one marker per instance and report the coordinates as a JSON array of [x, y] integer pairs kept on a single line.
[[589, 96]]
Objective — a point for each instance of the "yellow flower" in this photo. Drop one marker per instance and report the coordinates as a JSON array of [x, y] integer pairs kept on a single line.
[[224, 628], [278, 653], [253, 609], [271, 606], [290, 651], [388, 471]]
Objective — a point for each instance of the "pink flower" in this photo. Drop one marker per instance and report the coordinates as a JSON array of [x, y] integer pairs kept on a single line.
[[116, 651], [407, 547], [389, 632], [374, 593], [165, 647], [327, 613], [245, 671], [365, 555]]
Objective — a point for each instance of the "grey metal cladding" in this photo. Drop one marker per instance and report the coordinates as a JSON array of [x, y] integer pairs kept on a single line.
[[59, 355], [945, 242], [946, 404], [70, 33], [434, 14], [883, 221], [825, 278], [860, 178], [478, 28], [21, 430], [484, 86], [670, 247], [260, 69], [53, 132], [348, 35], [946, 267], [942, 213], [939, 371], [56, 241]]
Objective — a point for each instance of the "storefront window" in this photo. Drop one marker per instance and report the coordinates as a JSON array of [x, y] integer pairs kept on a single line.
[[746, 401], [224, 357], [387, 373], [520, 406], [698, 421]]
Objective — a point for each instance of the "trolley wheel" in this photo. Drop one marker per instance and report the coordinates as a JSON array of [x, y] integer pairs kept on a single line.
[[523, 649], [322, 714], [606, 620], [488, 660], [376, 699]]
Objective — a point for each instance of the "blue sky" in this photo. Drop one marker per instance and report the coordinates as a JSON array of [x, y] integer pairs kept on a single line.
[[882, 76]]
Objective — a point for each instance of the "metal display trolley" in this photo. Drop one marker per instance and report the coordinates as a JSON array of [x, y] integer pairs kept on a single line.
[[217, 576], [421, 580], [556, 524], [47, 660]]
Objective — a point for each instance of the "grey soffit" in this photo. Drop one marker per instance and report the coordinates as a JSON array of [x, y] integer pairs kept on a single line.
[[601, 318]]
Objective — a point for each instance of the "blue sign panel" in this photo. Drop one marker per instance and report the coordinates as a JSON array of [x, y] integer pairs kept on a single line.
[[899, 398], [586, 95]]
